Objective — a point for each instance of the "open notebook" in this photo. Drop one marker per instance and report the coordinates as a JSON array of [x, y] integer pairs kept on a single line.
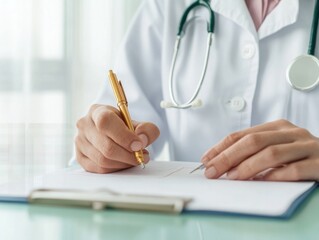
[[164, 183]]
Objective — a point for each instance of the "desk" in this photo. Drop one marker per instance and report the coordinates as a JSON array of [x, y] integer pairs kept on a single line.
[[20, 221]]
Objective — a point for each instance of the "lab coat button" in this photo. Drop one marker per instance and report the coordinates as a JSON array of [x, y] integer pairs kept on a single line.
[[237, 103], [248, 51]]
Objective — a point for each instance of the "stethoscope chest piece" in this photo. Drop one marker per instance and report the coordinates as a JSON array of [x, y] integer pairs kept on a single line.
[[303, 73]]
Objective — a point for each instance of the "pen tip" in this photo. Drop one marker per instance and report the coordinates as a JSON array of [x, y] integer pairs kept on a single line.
[[201, 167], [142, 165]]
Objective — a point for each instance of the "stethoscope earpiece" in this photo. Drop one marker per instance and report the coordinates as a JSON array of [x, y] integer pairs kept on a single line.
[[197, 103], [166, 104], [194, 104]]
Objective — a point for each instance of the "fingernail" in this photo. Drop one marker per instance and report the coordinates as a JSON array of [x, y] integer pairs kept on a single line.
[[232, 175], [144, 140], [211, 172], [136, 146]]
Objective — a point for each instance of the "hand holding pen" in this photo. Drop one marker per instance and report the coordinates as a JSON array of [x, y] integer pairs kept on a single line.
[[105, 144]]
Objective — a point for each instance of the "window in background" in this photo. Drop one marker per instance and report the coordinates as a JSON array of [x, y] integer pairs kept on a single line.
[[53, 57]]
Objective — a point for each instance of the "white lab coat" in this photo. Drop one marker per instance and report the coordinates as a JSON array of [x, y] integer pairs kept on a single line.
[[245, 65]]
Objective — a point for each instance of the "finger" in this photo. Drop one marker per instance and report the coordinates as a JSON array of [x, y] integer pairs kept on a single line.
[[103, 161], [108, 123], [107, 147], [302, 170], [235, 137], [147, 132], [91, 166], [88, 164], [243, 149], [97, 108], [271, 157], [111, 151]]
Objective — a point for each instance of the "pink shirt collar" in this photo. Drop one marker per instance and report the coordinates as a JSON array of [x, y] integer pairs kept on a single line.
[[259, 9]]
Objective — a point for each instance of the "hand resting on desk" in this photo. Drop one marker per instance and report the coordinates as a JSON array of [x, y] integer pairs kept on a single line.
[[281, 150], [104, 143]]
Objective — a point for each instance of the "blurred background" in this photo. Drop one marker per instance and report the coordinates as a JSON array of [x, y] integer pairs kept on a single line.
[[54, 56]]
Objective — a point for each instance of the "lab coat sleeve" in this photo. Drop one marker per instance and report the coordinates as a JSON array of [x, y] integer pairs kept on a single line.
[[138, 66]]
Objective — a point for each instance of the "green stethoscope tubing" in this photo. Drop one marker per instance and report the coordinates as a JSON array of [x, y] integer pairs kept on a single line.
[[193, 101], [198, 3], [314, 29]]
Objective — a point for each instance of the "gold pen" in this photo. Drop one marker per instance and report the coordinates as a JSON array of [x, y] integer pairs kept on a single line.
[[123, 107]]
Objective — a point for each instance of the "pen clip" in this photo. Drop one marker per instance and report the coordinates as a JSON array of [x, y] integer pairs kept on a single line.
[[117, 89], [121, 89]]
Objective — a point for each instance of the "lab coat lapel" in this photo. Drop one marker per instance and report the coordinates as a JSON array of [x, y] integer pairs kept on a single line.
[[284, 14], [237, 11]]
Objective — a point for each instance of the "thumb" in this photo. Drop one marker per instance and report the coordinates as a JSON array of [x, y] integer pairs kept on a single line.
[[147, 132]]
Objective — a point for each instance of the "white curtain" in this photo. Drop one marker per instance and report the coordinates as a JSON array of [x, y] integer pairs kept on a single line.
[[54, 55]]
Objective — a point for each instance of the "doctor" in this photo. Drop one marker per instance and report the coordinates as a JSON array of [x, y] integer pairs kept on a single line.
[[252, 122]]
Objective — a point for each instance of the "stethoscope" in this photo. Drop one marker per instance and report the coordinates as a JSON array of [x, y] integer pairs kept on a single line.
[[302, 74]]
